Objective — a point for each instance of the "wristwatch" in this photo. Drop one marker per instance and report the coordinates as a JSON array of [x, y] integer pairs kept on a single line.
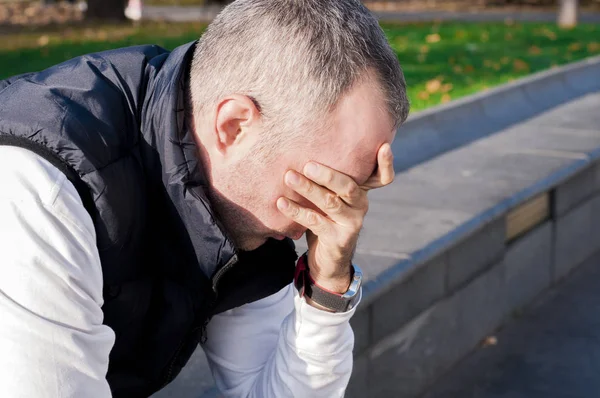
[[336, 302]]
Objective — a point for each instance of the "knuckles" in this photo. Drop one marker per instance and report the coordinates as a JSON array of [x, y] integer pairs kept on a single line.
[[333, 203], [313, 219]]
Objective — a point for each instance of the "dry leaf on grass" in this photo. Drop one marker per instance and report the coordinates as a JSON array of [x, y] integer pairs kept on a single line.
[[593, 47], [433, 38], [43, 41], [574, 46], [548, 33], [534, 50], [423, 95], [520, 66], [433, 86], [446, 98], [446, 87]]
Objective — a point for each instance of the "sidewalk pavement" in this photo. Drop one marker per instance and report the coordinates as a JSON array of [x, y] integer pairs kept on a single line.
[[552, 351]]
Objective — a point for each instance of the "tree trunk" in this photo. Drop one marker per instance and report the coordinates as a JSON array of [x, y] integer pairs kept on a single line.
[[106, 9], [567, 14]]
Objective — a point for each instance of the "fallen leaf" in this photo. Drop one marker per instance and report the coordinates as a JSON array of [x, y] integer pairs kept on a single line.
[[593, 47], [497, 67], [534, 50], [446, 87], [451, 60], [433, 86], [490, 341], [433, 38], [508, 36], [421, 58], [469, 69], [520, 66], [457, 69], [424, 49], [549, 34], [446, 98], [574, 46], [423, 95], [43, 41], [505, 60]]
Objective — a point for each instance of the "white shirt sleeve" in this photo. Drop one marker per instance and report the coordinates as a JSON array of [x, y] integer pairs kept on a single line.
[[280, 347], [52, 340]]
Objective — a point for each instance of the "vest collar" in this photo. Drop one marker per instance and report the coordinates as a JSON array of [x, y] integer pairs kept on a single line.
[[163, 122]]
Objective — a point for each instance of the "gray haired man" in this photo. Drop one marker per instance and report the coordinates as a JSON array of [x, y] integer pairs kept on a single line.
[[150, 198]]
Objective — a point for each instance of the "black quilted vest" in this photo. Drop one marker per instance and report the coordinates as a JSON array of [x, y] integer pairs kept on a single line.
[[114, 123]]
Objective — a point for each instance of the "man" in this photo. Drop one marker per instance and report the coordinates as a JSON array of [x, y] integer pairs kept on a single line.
[[146, 193]]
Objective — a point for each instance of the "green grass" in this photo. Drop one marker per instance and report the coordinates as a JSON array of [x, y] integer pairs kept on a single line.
[[441, 61]]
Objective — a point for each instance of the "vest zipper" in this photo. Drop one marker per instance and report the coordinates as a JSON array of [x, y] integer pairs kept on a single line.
[[215, 283], [222, 271]]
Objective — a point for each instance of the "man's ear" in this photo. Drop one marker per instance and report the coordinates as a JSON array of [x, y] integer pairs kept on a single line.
[[236, 114]]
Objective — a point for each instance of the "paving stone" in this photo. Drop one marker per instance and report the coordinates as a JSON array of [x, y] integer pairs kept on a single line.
[[580, 113], [474, 255], [548, 92], [400, 230], [417, 141], [595, 234], [405, 362], [361, 325], [507, 106], [409, 298], [574, 191], [573, 240], [529, 137], [551, 351], [528, 266], [583, 80], [359, 381]]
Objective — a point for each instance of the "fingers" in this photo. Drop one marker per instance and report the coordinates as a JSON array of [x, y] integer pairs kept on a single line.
[[308, 218], [340, 184], [385, 169], [331, 204]]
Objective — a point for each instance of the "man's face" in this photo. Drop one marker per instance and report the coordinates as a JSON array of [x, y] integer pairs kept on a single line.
[[245, 195]]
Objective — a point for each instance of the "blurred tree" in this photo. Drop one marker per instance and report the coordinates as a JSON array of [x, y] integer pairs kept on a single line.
[[106, 9], [567, 13]]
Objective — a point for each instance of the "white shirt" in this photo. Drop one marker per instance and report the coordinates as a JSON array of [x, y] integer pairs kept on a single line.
[[53, 342]]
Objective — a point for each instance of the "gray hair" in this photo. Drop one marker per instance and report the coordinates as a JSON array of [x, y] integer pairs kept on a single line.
[[295, 59]]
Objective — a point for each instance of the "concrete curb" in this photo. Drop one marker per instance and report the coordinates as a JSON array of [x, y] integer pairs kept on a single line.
[[434, 131]]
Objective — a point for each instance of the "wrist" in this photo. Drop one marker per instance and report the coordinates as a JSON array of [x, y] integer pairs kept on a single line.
[[337, 284], [334, 294]]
